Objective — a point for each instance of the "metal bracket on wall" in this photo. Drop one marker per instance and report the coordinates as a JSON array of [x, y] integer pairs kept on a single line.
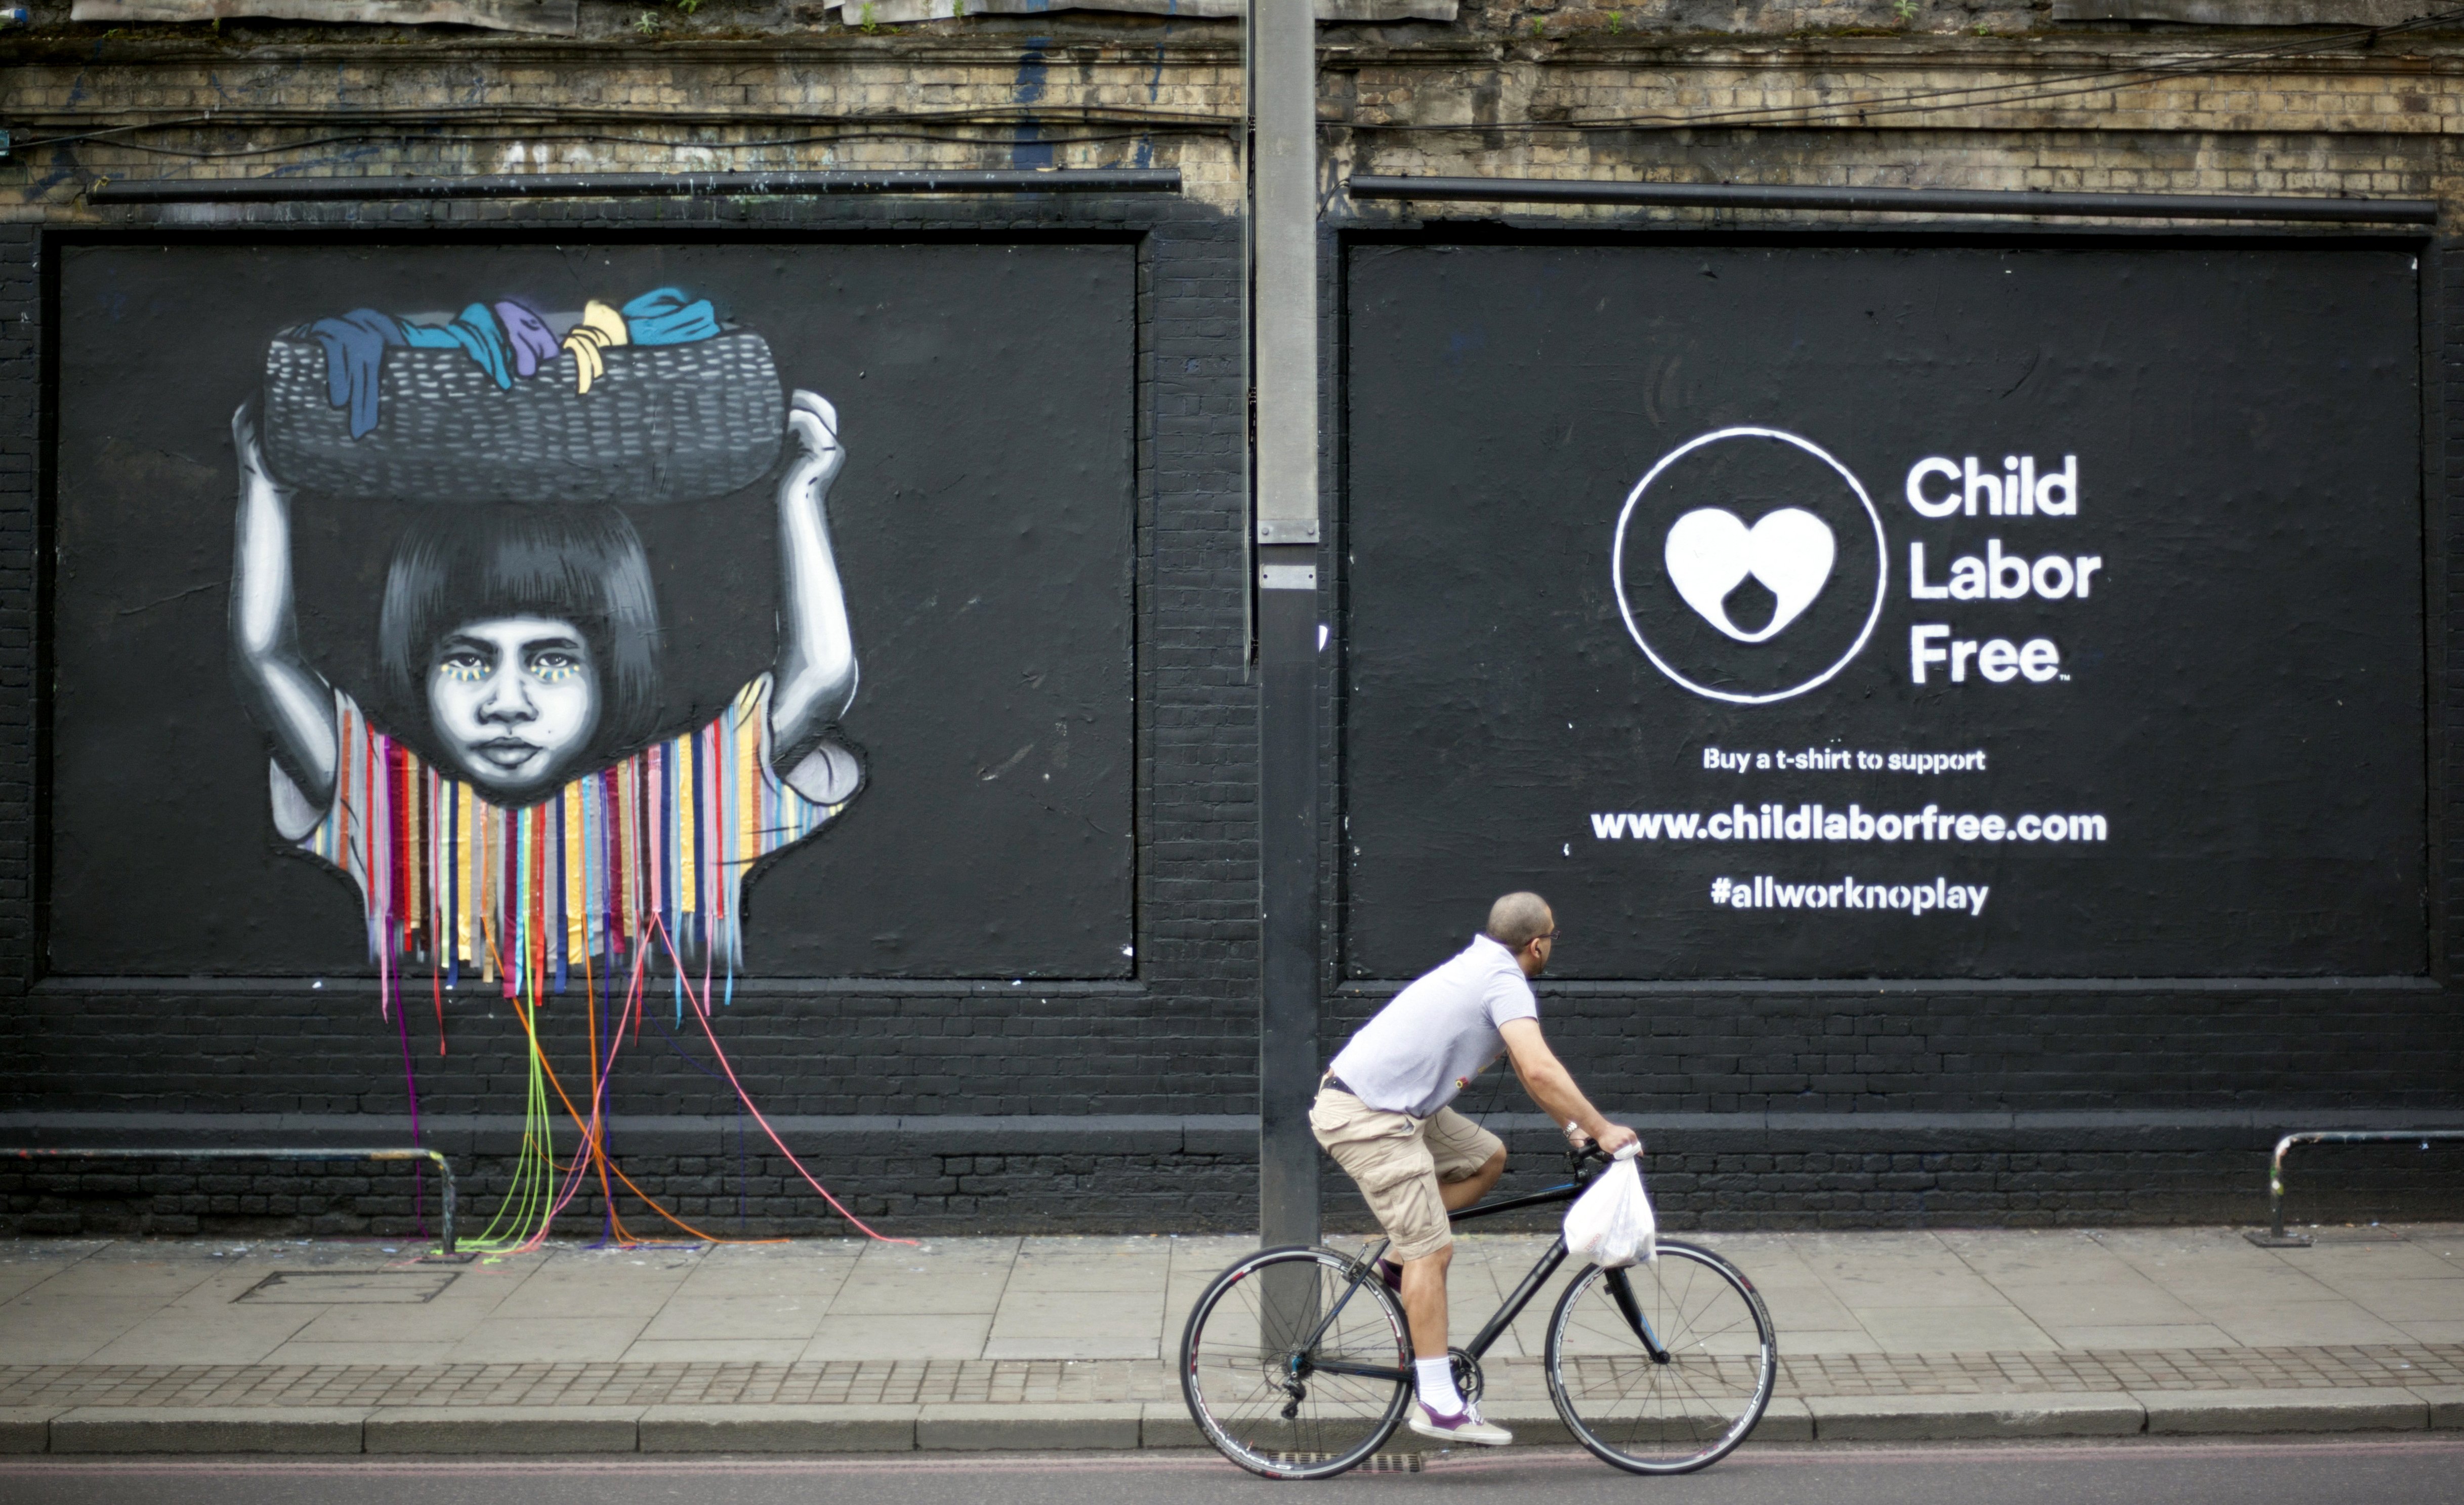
[[636, 185], [446, 1252], [1893, 201], [1287, 577], [1288, 530], [2275, 1237]]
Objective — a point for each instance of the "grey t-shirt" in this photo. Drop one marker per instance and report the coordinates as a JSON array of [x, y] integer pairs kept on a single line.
[[1438, 1034]]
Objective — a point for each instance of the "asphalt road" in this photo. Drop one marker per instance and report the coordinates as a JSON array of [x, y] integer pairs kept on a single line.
[[2385, 1472]]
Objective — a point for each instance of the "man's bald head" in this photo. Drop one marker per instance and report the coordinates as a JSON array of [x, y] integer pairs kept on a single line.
[[1517, 920]]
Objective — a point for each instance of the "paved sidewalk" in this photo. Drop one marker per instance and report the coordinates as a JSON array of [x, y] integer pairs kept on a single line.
[[830, 1345]]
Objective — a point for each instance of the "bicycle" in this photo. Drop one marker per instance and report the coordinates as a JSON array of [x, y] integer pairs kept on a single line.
[[1297, 1362]]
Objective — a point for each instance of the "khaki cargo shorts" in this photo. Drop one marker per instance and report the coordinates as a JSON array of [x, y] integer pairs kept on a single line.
[[1398, 1161]]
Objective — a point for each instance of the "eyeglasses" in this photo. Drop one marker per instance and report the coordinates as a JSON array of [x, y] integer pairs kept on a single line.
[[1551, 935]]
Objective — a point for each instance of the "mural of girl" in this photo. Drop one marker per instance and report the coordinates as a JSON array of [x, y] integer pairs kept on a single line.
[[505, 803], [500, 803]]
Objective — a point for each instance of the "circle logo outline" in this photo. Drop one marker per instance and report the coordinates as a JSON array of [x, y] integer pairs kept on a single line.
[[1881, 568]]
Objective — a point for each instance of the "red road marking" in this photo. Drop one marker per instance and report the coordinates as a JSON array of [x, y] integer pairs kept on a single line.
[[1770, 1455]]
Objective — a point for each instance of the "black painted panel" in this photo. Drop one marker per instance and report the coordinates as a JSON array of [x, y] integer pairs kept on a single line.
[[983, 527], [2238, 695]]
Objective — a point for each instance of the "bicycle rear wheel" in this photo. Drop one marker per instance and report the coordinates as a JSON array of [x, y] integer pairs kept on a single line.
[[1278, 1385], [1671, 1415]]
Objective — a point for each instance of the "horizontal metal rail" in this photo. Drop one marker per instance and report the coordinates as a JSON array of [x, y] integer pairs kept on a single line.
[[1895, 201], [443, 1167], [2275, 1166], [633, 184]]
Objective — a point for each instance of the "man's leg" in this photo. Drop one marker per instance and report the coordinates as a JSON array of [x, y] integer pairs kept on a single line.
[[1424, 1280], [1442, 1412], [1388, 1156], [1458, 1195], [1425, 1302]]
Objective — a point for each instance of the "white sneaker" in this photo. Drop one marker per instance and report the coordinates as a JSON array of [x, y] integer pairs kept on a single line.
[[1463, 1427]]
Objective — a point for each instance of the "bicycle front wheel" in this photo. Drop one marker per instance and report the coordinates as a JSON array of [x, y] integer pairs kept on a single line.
[[1684, 1408], [1294, 1368]]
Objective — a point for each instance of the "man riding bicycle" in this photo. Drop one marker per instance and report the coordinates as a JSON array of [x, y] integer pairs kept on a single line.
[[1381, 1113]]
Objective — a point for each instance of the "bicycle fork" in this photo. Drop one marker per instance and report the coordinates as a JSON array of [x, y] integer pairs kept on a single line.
[[1621, 1291]]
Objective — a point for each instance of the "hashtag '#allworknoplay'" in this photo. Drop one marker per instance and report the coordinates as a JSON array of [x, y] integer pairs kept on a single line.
[[1719, 891]]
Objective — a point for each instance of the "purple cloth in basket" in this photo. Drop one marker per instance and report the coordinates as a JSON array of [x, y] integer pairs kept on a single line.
[[535, 344]]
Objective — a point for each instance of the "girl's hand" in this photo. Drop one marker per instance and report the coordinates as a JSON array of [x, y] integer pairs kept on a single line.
[[813, 428]]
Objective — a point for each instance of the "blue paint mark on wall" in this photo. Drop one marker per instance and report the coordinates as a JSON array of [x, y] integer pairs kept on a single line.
[[64, 168], [1144, 157], [1031, 151]]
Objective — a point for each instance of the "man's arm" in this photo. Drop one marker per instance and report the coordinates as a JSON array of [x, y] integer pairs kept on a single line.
[[1552, 1086]]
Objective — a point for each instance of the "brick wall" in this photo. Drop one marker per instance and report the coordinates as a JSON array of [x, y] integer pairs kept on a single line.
[[966, 1108]]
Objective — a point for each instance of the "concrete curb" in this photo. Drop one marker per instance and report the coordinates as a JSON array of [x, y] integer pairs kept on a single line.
[[26, 1428], [513, 1431], [1168, 1424], [2446, 1404], [134, 1428], [779, 1429], [1029, 1429], [1948, 1418], [2192, 1413], [502, 1428]]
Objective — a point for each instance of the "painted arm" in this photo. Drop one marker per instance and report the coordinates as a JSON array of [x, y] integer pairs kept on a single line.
[[1552, 1086], [815, 676], [292, 702]]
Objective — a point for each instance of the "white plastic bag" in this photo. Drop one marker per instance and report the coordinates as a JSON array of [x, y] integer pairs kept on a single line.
[[1610, 1224]]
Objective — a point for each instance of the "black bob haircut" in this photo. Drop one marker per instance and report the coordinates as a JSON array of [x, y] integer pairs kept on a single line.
[[459, 564]]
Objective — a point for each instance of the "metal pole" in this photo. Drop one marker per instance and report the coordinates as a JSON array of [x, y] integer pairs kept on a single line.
[[1284, 369]]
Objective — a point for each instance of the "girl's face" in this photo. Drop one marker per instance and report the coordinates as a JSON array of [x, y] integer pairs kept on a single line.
[[514, 699]]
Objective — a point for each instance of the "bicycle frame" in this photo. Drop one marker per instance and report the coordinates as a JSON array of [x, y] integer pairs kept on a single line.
[[1620, 1290]]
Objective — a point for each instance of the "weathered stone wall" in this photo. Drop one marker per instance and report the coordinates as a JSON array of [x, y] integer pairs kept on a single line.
[[848, 101], [1810, 93]]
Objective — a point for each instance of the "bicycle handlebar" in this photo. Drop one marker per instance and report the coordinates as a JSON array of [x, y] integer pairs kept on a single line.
[[1587, 1152]]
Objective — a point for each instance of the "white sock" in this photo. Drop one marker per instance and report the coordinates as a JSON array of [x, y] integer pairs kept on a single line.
[[1437, 1385]]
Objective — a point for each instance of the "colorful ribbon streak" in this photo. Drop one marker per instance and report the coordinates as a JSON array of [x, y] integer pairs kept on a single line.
[[644, 857], [522, 896]]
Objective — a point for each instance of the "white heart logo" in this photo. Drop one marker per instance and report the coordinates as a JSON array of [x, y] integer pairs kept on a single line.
[[1710, 552]]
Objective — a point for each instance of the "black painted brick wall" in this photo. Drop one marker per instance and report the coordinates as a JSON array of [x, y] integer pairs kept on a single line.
[[1211, 1187], [1882, 1105], [298, 1052], [911, 1194], [1178, 1040]]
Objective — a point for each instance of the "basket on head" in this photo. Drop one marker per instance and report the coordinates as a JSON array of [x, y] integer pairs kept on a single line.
[[664, 423]]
